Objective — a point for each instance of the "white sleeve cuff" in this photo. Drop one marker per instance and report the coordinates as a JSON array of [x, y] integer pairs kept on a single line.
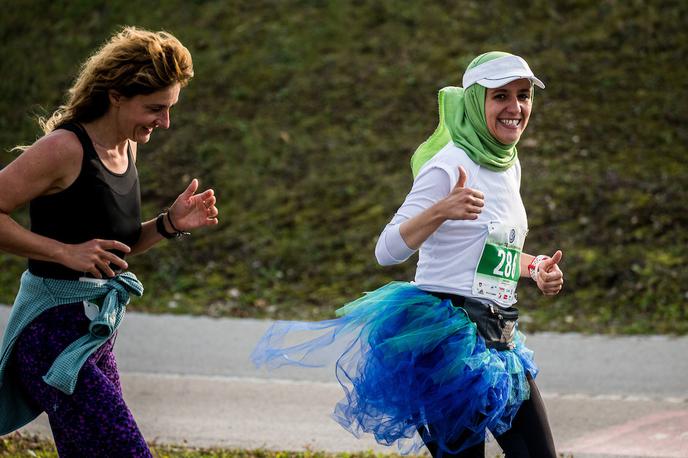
[[391, 248]]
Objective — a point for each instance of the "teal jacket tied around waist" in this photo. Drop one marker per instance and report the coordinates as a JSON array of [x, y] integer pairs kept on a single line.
[[38, 294]]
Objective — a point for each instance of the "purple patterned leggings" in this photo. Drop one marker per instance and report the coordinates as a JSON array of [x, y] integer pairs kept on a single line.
[[94, 421]]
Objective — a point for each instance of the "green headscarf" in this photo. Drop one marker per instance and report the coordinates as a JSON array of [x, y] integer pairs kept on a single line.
[[462, 119]]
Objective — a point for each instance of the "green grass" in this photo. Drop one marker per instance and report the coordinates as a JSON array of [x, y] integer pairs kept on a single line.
[[303, 116], [21, 445]]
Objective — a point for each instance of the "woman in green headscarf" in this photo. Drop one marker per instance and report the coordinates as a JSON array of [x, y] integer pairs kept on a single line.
[[439, 361]]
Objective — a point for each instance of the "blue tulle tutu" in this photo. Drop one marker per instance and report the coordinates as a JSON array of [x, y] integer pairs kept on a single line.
[[409, 362]]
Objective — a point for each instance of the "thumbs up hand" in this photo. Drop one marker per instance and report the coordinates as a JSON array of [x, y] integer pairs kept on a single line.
[[462, 202], [549, 277]]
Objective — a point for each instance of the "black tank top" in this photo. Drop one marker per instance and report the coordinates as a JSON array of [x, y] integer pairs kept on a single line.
[[99, 204]]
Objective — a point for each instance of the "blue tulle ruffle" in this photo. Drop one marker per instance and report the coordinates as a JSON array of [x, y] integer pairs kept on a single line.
[[408, 362]]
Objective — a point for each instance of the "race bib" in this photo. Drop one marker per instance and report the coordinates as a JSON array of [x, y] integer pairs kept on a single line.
[[499, 268]]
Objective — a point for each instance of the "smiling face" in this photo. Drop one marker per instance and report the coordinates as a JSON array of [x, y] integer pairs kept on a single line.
[[139, 115], [507, 110]]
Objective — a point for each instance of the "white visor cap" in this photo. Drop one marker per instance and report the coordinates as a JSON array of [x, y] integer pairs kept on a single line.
[[499, 72]]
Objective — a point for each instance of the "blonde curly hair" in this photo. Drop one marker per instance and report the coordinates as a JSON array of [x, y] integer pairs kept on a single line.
[[132, 62]]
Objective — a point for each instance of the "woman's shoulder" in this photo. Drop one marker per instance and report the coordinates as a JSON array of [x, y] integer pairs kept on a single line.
[[48, 166], [58, 154], [61, 143], [450, 158]]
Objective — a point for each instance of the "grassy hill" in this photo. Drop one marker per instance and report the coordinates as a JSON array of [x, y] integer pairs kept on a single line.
[[303, 116]]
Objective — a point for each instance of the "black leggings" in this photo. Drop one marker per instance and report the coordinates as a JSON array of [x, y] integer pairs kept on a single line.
[[528, 437]]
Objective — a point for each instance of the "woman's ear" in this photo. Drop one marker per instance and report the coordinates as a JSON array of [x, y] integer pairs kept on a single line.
[[115, 97]]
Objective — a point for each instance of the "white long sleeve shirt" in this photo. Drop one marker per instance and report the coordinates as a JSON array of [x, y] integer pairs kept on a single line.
[[448, 258]]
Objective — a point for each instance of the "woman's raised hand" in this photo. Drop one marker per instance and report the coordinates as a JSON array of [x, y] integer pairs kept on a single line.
[[191, 211], [462, 202], [550, 278]]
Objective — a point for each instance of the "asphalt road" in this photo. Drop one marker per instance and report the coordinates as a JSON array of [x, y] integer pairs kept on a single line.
[[189, 380]]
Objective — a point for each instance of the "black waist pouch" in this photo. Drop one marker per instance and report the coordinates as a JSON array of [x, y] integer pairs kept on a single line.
[[496, 325]]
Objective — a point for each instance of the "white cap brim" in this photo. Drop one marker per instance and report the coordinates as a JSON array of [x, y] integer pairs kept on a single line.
[[499, 72], [493, 83]]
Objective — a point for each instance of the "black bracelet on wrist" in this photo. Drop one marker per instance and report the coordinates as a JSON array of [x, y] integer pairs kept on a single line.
[[177, 232], [160, 226]]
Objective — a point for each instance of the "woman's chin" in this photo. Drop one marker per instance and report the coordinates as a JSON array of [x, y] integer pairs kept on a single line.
[[143, 137], [509, 138]]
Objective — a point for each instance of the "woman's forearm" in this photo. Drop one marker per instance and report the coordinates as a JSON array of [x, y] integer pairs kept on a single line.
[[19, 241], [149, 237], [416, 230]]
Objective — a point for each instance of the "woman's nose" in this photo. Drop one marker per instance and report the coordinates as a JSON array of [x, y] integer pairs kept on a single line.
[[164, 120], [514, 105]]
